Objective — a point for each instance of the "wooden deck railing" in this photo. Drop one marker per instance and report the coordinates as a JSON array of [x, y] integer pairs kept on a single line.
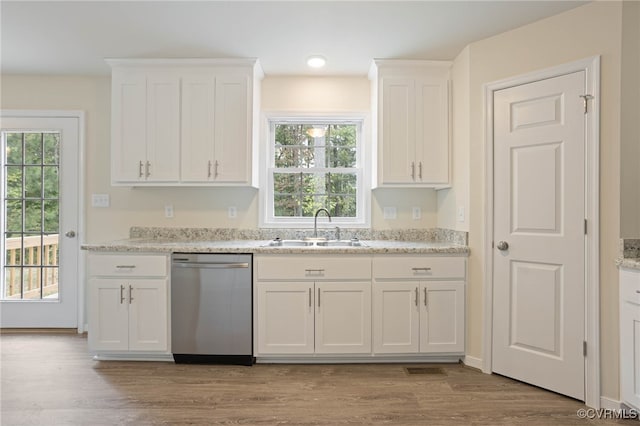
[[40, 263]]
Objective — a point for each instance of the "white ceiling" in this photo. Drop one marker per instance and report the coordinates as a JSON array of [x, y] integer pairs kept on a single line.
[[74, 37]]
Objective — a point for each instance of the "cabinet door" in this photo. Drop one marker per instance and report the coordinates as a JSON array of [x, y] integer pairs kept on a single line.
[[163, 124], [232, 129], [148, 325], [285, 318], [197, 130], [108, 315], [343, 317], [396, 317], [630, 337], [128, 125], [432, 131], [442, 317], [398, 131]]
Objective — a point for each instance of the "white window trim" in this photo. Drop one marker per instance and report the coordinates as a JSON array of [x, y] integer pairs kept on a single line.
[[266, 219]]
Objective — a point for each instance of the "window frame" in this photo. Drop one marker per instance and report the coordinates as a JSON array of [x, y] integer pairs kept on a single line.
[[267, 162]]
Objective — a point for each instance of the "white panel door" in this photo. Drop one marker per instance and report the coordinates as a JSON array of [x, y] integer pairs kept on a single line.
[[232, 129], [128, 125], [539, 205], [109, 315], [343, 317], [163, 127], [398, 130], [396, 317], [285, 318], [197, 130], [442, 317], [148, 326]]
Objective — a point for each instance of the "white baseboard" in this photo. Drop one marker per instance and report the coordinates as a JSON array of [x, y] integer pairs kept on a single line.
[[472, 361], [610, 404]]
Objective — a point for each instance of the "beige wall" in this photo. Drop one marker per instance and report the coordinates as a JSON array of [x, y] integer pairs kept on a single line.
[[630, 123], [195, 207], [593, 29], [451, 200]]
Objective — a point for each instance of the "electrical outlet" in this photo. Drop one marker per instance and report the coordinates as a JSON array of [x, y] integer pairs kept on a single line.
[[168, 210], [99, 200], [232, 212], [417, 213], [389, 212]]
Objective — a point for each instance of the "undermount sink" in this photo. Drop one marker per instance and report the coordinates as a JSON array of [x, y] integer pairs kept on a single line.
[[315, 243]]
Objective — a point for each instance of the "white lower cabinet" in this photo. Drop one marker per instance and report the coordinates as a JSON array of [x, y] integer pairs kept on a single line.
[[630, 337], [418, 317], [418, 305], [316, 317], [128, 303], [304, 308]]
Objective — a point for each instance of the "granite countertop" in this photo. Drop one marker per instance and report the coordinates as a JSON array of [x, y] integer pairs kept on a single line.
[[262, 247], [629, 254]]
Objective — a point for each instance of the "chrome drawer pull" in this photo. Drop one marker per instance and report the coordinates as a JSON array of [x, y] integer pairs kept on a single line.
[[317, 271], [125, 266], [421, 269]]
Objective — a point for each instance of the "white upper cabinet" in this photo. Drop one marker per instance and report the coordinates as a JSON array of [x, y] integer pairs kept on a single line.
[[184, 121], [411, 123]]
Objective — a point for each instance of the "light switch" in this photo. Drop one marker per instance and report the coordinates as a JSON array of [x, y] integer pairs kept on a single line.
[[100, 200]]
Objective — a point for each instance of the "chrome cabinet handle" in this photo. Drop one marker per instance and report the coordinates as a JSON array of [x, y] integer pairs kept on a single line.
[[421, 269], [130, 293], [215, 170], [502, 245], [318, 298], [209, 169], [417, 296], [310, 304], [125, 266], [121, 294], [420, 170], [413, 170], [425, 297], [148, 172], [312, 271], [140, 172]]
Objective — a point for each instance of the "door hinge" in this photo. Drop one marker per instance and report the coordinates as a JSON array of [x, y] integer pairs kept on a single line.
[[584, 348], [585, 101], [585, 227]]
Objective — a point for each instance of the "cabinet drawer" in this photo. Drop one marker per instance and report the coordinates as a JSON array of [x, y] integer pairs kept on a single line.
[[313, 267], [128, 265], [418, 267], [630, 286]]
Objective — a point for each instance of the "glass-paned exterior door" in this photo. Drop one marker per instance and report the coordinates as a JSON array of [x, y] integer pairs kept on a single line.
[[31, 218]]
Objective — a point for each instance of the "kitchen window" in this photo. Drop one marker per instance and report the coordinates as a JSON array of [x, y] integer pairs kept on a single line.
[[314, 163]]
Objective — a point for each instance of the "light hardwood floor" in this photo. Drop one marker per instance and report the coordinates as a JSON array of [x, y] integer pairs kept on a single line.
[[49, 379]]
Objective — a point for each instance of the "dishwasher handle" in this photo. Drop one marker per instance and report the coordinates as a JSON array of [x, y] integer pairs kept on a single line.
[[209, 265]]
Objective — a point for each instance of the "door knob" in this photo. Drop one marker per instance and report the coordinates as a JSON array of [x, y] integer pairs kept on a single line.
[[502, 245], [70, 234]]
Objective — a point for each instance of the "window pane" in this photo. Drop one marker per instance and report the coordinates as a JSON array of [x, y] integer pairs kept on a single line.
[[14, 217], [14, 182], [50, 182], [33, 215], [342, 183], [342, 206], [33, 148], [14, 148], [13, 283], [33, 182], [341, 157], [287, 183], [51, 216], [32, 250], [31, 283], [51, 148], [286, 205], [13, 251]]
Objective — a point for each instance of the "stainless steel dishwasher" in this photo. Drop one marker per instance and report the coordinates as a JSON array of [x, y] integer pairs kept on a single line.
[[211, 308]]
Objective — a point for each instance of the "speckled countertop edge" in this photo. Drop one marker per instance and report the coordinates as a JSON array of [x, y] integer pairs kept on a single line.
[[629, 254], [262, 247], [230, 240]]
